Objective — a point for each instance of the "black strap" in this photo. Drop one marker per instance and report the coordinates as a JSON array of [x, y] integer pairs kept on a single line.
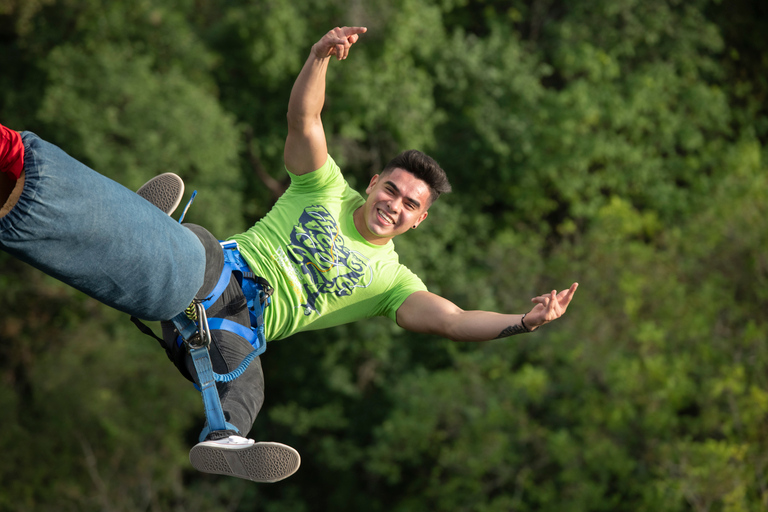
[[146, 330]]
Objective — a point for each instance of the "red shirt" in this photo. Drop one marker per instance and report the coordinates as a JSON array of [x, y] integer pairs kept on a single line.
[[11, 152]]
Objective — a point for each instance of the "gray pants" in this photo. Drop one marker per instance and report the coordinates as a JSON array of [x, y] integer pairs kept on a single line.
[[242, 398]]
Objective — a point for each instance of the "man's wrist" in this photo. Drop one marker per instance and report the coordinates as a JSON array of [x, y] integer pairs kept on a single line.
[[520, 328], [527, 328]]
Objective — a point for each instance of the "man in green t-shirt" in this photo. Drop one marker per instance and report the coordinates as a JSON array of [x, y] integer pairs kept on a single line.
[[328, 252], [398, 200], [323, 270]]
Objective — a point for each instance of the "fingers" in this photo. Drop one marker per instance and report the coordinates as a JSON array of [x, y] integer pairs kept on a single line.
[[552, 305], [340, 40], [354, 31], [553, 298], [567, 295], [546, 299]]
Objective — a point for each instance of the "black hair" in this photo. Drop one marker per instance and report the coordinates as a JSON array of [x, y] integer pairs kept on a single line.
[[424, 168]]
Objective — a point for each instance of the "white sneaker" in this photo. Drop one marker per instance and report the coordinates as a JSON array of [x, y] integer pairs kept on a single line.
[[164, 191], [245, 458], [233, 441]]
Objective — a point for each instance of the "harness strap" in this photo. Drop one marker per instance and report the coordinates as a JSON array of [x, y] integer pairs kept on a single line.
[[146, 330], [207, 377], [222, 324], [211, 402]]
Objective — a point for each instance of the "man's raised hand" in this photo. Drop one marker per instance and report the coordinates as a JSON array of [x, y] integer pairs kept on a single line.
[[337, 42]]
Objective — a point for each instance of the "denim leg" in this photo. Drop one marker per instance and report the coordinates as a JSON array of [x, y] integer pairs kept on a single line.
[[101, 238]]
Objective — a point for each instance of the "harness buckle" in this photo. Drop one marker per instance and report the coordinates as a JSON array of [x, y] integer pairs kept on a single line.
[[202, 337]]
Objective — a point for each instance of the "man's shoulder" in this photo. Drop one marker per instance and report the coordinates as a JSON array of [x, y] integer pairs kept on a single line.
[[328, 171], [326, 186]]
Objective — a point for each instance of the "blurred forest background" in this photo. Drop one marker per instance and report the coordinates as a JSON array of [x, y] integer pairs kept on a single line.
[[618, 143]]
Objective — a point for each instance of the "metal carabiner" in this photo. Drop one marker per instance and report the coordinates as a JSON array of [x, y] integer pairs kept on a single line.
[[202, 338]]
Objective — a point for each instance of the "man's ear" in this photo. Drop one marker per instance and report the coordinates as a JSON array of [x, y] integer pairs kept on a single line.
[[420, 219], [372, 184]]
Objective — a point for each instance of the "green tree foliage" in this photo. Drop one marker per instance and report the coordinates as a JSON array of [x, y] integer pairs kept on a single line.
[[618, 143]]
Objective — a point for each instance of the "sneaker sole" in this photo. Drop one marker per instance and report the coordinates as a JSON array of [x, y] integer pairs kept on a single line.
[[259, 462], [164, 191]]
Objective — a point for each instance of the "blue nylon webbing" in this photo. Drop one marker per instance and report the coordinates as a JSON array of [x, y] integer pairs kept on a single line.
[[222, 324], [211, 401], [221, 285]]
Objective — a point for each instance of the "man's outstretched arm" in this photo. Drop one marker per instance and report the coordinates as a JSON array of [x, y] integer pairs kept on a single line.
[[305, 146], [428, 313]]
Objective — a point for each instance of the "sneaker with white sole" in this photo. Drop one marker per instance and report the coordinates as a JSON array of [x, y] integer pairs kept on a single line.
[[245, 458], [164, 191]]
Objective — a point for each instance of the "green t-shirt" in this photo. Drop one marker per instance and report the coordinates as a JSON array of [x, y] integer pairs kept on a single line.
[[323, 271]]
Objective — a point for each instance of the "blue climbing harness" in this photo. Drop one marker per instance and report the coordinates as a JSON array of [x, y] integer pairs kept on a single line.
[[195, 328]]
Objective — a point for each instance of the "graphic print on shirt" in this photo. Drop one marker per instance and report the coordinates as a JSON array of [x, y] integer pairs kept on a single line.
[[317, 251]]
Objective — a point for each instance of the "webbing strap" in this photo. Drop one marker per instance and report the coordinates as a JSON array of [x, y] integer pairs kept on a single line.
[[221, 285], [208, 388], [222, 324]]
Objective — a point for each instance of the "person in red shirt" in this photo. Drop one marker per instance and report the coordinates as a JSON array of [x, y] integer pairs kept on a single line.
[[11, 167]]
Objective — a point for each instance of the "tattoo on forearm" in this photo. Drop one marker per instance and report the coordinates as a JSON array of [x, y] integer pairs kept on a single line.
[[511, 331]]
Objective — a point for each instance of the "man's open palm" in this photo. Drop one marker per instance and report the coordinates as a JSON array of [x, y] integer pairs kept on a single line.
[[550, 306]]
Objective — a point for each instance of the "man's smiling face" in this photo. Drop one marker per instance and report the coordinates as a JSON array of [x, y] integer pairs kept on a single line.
[[397, 201]]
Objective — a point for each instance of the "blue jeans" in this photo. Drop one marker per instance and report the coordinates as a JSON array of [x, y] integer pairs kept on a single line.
[[103, 239]]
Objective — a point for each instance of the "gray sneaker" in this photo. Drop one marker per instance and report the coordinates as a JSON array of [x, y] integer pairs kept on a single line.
[[245, 458], [164, 191]]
